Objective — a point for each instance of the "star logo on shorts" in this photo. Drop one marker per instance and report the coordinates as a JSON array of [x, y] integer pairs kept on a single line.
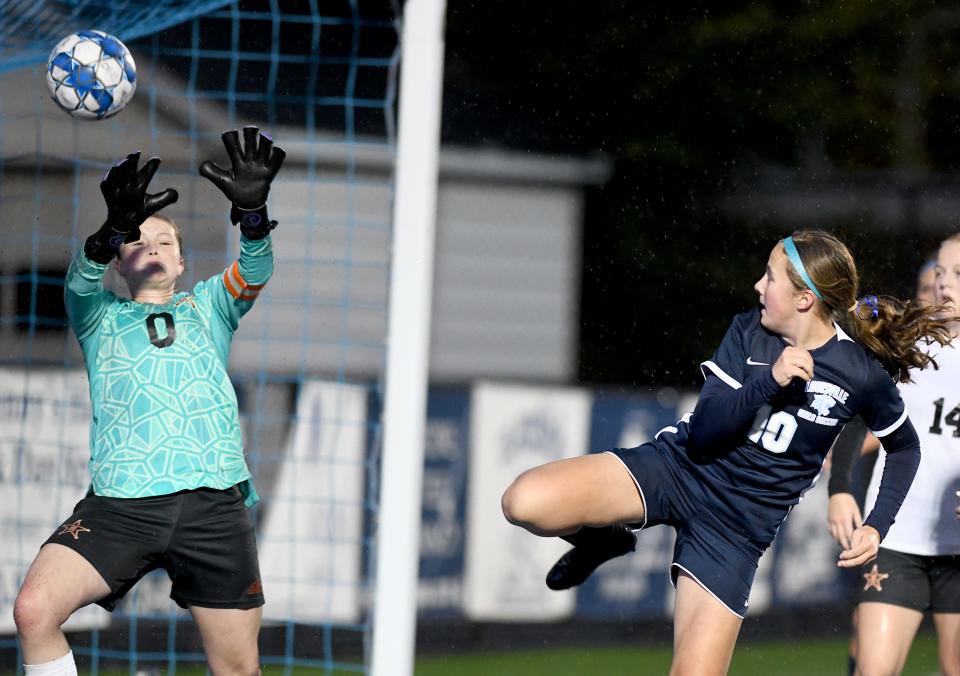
[[255, 588], [74, 529], [874, 578]]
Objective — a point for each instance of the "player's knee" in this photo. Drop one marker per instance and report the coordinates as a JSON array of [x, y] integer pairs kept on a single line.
[[509, 502], [32, 612], [239, 666], [872, 667], [520, 502], [683, 666], [251, 668]]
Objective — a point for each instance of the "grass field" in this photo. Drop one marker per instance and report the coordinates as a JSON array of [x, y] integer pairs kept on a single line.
[[779, 659], [794, 658]]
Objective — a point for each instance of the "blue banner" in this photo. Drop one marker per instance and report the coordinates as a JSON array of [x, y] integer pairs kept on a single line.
[[636, 585], [444, 493]]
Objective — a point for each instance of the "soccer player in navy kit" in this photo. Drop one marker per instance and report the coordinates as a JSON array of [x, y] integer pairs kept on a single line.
[[781, 385], [918, 566], [169, 484]]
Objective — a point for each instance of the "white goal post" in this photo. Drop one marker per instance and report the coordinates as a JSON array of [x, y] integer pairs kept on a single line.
[[408, 336]]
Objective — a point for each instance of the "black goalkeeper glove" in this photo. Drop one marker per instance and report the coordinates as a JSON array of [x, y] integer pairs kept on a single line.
[[128, 206], [247, 182]]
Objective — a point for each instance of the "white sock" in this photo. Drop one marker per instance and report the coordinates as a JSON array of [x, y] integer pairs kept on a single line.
[[65, 666]]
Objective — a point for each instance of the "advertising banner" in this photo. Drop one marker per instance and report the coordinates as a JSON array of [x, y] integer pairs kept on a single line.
[[311, 540], [636, 585], [44, 451], [440, 591], [514, 428]]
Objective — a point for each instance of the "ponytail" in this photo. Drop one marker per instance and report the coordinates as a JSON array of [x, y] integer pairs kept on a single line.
[[894, 330]]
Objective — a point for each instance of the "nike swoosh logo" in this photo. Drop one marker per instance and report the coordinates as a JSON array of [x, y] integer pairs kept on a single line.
[[750, 362]]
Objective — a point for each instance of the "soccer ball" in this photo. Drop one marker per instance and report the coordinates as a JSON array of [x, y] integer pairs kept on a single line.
[[91, 75]]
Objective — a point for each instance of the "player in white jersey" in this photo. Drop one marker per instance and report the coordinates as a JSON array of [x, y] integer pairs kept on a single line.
[[926, 279], [918, 566], [169, 483], [855, 453]]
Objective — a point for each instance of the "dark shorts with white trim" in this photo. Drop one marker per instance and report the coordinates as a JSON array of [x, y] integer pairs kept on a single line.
[[203, 538], [709, 547], [912, 581]]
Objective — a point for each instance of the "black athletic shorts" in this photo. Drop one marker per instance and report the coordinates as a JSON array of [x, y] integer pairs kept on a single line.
[[912, 581], [203, 538]]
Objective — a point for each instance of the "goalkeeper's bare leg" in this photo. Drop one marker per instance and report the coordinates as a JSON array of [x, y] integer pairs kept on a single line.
[[59, 582], [583, 500], [230, 638]]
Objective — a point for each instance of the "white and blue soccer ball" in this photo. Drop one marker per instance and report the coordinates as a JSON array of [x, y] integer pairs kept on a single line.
[[91, 75]]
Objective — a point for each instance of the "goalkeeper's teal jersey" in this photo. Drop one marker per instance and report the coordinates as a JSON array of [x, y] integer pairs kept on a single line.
[[165, 415]]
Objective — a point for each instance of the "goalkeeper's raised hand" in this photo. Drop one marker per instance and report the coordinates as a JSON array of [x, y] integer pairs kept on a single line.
[[124, 190], [247, 182]]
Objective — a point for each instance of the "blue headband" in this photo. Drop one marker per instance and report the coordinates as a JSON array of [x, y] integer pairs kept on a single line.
[[794, 257]]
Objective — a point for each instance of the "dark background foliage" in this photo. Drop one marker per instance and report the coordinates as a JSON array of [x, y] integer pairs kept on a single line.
[[695, 103]]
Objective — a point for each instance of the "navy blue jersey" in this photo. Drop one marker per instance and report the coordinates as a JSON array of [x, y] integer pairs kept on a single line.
[[778, 448]]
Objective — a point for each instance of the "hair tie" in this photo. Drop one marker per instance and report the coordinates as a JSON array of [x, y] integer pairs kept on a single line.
[[794, 256], [869, 301]]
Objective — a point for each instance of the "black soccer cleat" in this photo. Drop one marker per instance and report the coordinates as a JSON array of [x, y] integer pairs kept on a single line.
[[591, 547]]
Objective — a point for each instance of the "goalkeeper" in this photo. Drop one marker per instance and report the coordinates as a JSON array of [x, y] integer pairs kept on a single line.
[[169, 483]]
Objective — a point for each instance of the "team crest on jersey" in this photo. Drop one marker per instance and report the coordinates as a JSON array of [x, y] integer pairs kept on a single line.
[[825, 397], [822, 403]]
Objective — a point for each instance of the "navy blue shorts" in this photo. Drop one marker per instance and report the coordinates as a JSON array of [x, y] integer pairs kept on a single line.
[[203, 538], [710, 550]]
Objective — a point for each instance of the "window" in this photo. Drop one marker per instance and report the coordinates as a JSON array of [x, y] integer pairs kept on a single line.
[[39, 304]]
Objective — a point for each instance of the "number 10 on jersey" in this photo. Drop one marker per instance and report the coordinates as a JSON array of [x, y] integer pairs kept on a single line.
[[772, 432]]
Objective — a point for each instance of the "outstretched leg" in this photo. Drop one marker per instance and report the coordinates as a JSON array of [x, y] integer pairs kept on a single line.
[[561, 497], [584, 500]]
